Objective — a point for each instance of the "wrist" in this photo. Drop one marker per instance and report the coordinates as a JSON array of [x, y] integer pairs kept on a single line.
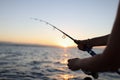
[[88, 43]]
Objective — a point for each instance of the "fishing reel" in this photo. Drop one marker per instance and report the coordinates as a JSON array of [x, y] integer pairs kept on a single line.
[[93, 74]]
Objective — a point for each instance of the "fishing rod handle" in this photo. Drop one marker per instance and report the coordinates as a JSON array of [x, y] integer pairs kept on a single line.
[[91, 52]]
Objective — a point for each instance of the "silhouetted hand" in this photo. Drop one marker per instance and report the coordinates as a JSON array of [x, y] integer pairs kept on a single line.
[[83, 44], [73, 64], [76, 64]]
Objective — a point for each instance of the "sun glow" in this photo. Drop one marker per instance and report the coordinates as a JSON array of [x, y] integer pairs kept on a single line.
[[65, 43]]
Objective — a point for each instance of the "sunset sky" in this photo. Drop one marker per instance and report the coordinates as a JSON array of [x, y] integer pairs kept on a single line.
[[81, 19]]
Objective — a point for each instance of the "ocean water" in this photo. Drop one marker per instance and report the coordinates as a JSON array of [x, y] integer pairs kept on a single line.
[[42, 63]]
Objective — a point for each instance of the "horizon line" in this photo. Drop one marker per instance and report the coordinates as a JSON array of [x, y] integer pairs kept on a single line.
[[29, 44]]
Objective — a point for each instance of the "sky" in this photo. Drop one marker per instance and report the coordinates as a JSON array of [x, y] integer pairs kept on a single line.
[[81, 19]]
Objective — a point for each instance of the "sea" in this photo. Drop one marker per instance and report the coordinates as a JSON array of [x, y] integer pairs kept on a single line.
[[18, 62]]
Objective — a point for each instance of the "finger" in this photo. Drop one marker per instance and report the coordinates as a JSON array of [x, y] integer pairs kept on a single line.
[[69, 66], [69, 60]]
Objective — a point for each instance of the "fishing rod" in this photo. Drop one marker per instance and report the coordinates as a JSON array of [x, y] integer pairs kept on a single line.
[[54, 27], [91, 52], [87, 49]]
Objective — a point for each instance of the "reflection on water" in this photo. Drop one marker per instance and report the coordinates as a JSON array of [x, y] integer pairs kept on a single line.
[[40, 63], [66, 76], [64, 61], [65, 56]]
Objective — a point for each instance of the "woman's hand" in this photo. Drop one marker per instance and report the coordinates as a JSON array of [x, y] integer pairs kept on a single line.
[[73, 64], [83, 44]]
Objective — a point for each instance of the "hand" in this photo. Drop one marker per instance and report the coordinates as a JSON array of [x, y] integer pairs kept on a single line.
[[73, 64], [76, 63], [83, 44]]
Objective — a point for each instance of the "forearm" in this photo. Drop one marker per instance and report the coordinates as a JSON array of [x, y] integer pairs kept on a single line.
[[99, 41], [99, 63]]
